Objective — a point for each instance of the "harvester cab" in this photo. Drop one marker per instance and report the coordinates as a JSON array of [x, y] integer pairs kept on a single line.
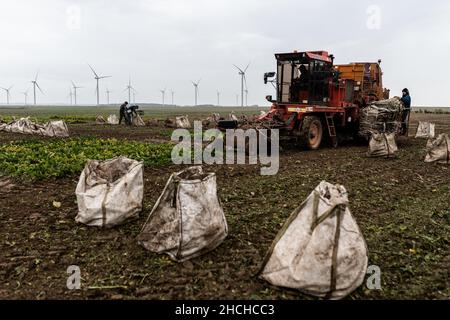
[[304, 77]]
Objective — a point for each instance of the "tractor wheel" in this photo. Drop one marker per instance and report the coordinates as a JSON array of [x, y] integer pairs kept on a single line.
[[311, 132]]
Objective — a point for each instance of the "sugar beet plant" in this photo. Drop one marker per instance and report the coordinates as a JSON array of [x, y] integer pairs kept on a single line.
[[38, 159]]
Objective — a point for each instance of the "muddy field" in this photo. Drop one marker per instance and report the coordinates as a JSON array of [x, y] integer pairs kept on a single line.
[[402, 206]]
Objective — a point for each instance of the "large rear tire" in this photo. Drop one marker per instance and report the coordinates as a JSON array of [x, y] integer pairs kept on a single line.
[[311, 132]]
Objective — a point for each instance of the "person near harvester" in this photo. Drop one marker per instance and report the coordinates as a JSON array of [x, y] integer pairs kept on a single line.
[[123, 107], [130, 113], [406, 99]]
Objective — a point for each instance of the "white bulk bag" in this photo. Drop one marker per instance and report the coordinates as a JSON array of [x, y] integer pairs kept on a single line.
[[18, 126], [232, 116], [110, 192], [188, 219], [425, 130], [182, 122], [438, 150], [24, 125], [100, 120], [320, 250], [382, 145], [112, 119], [215, 117], [56, 129], [137, 121]]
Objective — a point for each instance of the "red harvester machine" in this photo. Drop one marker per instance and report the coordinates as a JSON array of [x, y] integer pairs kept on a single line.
[[317, 100]]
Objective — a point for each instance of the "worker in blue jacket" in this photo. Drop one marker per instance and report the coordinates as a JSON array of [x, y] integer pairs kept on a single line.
[[406, 99]]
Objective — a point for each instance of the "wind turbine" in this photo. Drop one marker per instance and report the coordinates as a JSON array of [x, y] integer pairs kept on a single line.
[[242, 74], [163, 93], [70, 95], [107, 94], [246, 96], [172, 93], [35, 84], [218, 97], [75, 91], [7, 93], [129, 87], [134, 96], [25, 93], [195, 84], [97, 77]]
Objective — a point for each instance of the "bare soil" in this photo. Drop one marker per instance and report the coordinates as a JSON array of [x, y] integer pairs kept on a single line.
[[402, 206]]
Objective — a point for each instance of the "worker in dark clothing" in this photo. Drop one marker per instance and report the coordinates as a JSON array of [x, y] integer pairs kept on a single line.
[[304, 76], [300, 83], [123, 107], [406, 99]]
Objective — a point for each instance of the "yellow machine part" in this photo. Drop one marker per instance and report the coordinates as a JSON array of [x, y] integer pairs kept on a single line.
[[367, 76]]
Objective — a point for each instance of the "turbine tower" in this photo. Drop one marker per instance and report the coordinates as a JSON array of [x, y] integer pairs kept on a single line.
[[218, 97], [163, 93], [7, 93], [129, 87], [172, 93], [243, 80], [97, 77], [75, 92], [25, 93], [246, 96], [107, 94], [35, 84], [195, 84], [70, 95]]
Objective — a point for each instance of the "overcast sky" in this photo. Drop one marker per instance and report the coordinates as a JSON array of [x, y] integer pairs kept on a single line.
[[167, 43]]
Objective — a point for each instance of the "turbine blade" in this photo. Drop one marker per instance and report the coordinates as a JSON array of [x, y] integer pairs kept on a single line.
[[238, 68], [37, 74], [247, 67], [103, 77], [37, 85], [73, 84], [96, 75]]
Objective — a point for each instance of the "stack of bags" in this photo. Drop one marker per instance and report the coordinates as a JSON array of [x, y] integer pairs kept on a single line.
[[381, 116]]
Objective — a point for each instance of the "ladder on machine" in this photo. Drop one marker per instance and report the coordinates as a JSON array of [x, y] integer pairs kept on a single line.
[[331, 129]]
